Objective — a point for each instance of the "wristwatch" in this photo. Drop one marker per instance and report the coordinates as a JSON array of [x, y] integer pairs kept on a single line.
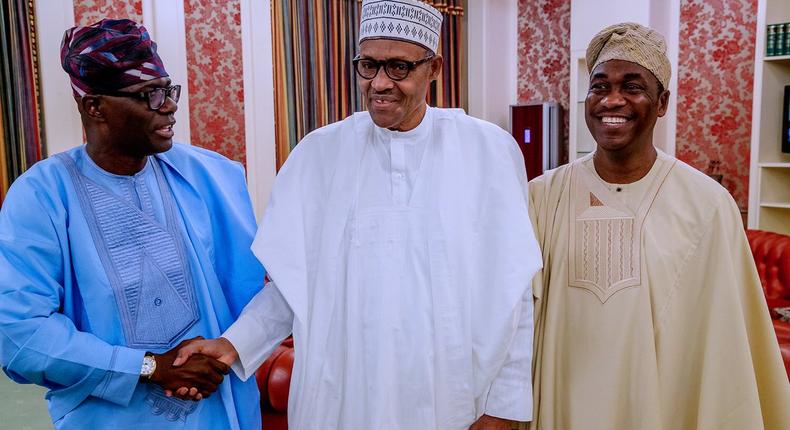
[[149, 366]]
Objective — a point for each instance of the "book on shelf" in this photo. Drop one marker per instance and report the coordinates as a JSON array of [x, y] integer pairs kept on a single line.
[[786, 121], [786, 48], [777, 39], [781, 35]]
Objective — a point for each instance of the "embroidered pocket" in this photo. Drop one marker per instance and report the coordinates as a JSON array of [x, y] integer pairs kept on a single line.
[[605, 252], [162, 314]]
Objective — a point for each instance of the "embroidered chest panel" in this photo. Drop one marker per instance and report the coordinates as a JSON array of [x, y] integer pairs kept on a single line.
[[605, 235], [144, 261]]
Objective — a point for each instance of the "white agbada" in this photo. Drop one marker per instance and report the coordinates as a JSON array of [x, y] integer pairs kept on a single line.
[[402, 263]]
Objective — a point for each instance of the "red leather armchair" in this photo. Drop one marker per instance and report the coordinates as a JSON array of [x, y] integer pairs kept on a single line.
[[771, 253], [274, 380]]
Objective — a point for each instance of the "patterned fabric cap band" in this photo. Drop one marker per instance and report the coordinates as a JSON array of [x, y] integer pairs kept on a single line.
[[109, 55], [406, 20], [631, 42]]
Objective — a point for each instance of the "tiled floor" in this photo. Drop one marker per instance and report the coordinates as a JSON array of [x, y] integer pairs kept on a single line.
[[22, 407]]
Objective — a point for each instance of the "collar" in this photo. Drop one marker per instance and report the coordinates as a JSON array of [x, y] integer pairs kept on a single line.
[[95, 167], [417, 133]]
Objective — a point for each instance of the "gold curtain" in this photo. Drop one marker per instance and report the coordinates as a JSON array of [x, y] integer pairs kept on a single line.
[[21, 141], [447, 90]]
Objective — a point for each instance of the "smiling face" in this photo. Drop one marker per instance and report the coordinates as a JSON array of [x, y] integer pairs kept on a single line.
[[622, 105], [398, 105]]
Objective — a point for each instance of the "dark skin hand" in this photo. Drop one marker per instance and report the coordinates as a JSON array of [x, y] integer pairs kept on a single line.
[[487, 422], [200, 371]]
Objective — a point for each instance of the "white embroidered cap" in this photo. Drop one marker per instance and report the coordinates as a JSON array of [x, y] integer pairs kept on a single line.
[[407, 20]]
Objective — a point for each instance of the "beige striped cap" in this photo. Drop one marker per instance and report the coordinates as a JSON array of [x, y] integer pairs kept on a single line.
[[631, 42]]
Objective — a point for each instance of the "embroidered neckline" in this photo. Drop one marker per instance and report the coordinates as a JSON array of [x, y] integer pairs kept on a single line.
[[617, 187], [127, 240], [93, 166], [626, 194]]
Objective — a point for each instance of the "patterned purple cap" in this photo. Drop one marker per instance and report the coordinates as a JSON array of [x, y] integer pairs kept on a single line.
[[109, 55]]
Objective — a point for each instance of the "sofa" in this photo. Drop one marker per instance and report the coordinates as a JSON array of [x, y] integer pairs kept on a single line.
[[771, 253], [274, 380]]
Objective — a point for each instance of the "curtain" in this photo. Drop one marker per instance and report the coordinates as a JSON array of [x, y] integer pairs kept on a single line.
[[315, 84], [447, 91], [21, 142]]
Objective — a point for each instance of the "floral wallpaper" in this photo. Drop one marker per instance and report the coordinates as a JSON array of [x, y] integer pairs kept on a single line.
[[544, 28], [715, 76], [216, 86], [87, 12]]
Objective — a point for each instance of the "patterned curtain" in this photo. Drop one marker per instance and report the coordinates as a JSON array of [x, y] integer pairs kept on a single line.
[[447, 90], [21, 142], [315, 84]]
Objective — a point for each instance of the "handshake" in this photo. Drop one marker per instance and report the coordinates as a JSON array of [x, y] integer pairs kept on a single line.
[[194, 368]]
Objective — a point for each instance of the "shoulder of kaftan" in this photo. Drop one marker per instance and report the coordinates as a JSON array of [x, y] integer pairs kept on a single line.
[[38, 195], [315, 157], [475, 131]]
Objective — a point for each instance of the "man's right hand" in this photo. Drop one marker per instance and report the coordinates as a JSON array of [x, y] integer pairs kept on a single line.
[[221, 349], [200, 372]]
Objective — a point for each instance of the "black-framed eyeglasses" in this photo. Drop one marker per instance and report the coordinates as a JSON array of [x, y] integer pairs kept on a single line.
[[155, 97], [397, 70]]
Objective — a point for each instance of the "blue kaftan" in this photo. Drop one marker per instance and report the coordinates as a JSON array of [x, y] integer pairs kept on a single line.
[[96, 269]]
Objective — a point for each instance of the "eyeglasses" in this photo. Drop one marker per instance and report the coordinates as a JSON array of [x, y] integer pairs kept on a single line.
[[155, 97], [397, 70]]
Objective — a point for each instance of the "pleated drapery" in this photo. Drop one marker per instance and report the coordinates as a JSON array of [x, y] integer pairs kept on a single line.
[[21, 141], [315, 84], [447, 90]]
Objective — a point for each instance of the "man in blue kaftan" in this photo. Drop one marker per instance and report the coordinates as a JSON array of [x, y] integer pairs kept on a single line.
[[116, 252]]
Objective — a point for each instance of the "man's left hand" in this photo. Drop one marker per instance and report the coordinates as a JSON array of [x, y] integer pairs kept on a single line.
[[487, 422]]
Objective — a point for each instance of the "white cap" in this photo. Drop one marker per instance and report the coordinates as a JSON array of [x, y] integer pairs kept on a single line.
[[406, 20]]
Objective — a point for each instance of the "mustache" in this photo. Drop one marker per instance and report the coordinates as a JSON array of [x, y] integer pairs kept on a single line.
[[383, 96]]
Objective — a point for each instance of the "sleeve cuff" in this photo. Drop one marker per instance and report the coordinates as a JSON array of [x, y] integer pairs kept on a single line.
[[123, 375], [237, 334], [265, 322], [510, 401]]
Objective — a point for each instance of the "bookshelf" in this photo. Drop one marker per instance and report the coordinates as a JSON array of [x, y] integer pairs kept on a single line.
[[769, 170], [777, 58]]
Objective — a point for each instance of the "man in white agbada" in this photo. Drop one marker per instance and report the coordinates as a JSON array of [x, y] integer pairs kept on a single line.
[[400, 251]]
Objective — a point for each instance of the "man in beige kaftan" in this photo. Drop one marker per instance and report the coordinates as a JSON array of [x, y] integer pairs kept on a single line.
[[649, 312]]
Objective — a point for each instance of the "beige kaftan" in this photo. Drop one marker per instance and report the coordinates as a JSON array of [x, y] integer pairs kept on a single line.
[[649, 312]]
